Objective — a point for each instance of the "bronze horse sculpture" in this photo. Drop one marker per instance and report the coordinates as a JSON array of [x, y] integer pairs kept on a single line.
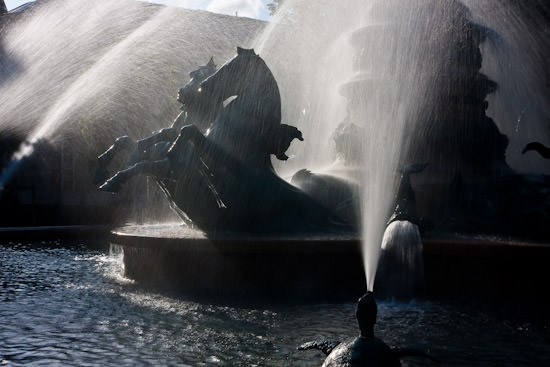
[[223, 180], [155, 147]]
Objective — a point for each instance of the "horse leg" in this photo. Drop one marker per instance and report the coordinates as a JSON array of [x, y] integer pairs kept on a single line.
[[143, 146], [211, 154], [158, 169], [188, 133], [122, 143], [206, 152]]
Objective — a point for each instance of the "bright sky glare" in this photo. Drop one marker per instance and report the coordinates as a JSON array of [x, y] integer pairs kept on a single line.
[[244, 8]]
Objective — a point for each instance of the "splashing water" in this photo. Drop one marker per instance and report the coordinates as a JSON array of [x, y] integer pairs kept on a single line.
[[402, 60], [79, 91], [87, 68], [379, 64], [306, 49], [372, 68], [391, 68]]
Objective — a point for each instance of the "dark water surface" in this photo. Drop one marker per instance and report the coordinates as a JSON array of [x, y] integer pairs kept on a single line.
[[70, 306]]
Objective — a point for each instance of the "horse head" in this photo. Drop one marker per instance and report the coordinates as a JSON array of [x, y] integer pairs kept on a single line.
[[188, 95], [249, 81], [198, 110], [246, 73]]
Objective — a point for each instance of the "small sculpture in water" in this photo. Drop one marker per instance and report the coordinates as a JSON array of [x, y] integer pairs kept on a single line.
[[222, 180], [365, 350]]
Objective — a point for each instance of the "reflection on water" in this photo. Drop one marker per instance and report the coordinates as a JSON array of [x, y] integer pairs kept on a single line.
[[70, 306]]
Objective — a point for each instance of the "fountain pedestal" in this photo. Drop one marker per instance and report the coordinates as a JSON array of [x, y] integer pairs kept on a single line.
[[324, 267], [301, 267]]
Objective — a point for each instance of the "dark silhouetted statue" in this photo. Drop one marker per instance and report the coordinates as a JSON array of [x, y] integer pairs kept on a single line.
[[146, 152], [217, 173], [365, 350]]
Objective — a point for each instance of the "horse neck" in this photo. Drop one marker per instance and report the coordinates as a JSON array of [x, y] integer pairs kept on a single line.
[[203, 116], [262, 97]]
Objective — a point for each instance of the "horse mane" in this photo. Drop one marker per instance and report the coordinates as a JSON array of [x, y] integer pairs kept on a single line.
[[246, 51], [266, 90], [256, 110]]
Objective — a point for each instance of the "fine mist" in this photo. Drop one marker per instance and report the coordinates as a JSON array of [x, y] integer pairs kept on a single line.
[[407, 75], [82, 73], [516, 56], [358, 65], [78, 74]]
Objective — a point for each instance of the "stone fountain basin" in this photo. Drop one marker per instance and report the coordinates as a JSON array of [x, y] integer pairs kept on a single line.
[[278, 266], [325, 266]]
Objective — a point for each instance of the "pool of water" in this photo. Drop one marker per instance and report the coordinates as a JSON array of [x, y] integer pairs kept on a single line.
[[68, 304]]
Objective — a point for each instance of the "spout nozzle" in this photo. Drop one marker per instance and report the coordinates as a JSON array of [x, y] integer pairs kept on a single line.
[[366, 313]]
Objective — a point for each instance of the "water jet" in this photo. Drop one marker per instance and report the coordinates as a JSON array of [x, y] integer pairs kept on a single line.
[[433, 49], [347, 86], [408, 84]]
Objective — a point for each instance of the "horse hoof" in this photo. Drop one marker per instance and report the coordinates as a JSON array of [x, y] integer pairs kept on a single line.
[[101, 174], [110, 186]]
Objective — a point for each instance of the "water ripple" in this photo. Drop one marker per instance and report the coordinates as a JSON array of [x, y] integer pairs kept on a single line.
[[71, 306]]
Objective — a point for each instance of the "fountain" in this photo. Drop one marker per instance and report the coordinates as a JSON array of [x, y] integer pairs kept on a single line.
[[344, 151], [442, 60], [223, 181], [406, 87], [432, 58]]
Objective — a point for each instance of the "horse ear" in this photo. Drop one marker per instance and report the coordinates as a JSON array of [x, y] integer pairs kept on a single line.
[[244, 51], [211, 63]]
